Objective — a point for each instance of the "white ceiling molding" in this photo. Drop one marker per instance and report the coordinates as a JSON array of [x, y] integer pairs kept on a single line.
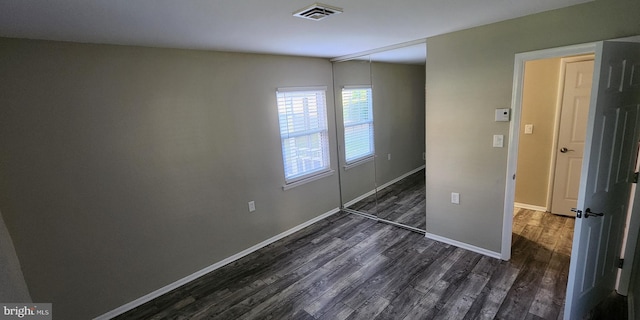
[[378, 53]]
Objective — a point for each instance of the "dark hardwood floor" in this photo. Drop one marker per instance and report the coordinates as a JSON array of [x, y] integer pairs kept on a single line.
[[350, 267], [402, 202], [614, 306]]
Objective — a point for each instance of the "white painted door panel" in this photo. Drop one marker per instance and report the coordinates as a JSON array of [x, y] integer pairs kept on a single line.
[[571, 135], [606, 175]]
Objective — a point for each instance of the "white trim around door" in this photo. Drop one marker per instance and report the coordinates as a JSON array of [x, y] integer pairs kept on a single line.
[[514, 132]]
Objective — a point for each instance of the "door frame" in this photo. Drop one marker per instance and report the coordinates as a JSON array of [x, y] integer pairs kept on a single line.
[[630, 238], [514, 129]]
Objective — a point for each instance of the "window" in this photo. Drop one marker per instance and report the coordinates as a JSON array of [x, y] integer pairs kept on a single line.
[[357, 113], [302, 113]]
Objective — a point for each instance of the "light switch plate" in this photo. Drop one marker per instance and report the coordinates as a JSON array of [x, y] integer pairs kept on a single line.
[[455, 198], [498, 141], [528, 129]]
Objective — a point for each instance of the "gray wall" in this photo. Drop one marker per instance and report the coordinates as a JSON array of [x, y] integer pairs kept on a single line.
[[469, 74], [13, 288], [124, 169], [398, 105]]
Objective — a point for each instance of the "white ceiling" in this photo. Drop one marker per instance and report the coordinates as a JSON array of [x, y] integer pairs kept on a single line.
[[260, 26]]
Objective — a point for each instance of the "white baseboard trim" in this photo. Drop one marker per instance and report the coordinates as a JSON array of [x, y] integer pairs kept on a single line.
[[379, 188], [142, 300], [529, 206], [463, 245]]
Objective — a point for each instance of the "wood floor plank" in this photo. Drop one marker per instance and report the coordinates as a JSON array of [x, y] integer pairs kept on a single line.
[[317, 283], [525, 245], [531, 316], [464, 296], [243, 300], [350, 224], [276, 271], [346, 284], [565, 240], [458, 278], [389, 282], [407, 273], [535, 218], [488, 302], [614, 306], [325, 296], [287, 295], [437, 270], [425, 243], [350, 267], [379, 281], [370, 309], [314, 252], [403, 303], [338, 311], [302, 315], [520, 217], [426, 308], [549, 298], [525, 287]]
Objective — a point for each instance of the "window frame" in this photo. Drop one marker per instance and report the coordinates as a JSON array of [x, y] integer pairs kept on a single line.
[[293, 180], [349, 163]]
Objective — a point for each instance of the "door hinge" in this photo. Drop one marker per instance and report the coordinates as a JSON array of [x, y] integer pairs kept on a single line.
[[620, 263], [635, 177]]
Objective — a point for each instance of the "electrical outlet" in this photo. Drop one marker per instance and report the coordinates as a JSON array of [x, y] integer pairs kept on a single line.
[[389, 156], [455, 198], [252, 206]]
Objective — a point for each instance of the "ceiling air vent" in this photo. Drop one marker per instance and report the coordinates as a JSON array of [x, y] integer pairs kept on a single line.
[[317, 12]]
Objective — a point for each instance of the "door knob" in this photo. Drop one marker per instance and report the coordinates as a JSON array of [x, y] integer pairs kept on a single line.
[[588, 213], [565, 150]]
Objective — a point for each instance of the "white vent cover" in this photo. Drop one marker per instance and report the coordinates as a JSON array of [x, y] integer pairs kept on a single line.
[[317, 12]]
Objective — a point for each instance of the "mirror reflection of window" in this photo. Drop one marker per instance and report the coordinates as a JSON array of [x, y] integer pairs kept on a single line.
[[357, 113]]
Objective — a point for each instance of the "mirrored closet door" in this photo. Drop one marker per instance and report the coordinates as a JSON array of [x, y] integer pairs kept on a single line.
[[355, 131], [380, 116], [398, 81]]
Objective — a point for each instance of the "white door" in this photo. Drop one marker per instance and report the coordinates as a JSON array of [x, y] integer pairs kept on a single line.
[[571, 134], [606, 176]]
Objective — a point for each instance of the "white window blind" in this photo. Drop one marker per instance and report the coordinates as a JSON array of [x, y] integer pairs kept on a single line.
[[357, 111], [302, 114]]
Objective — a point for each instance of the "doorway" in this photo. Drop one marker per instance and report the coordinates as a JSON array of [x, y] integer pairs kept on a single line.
[[514, 131], [555, 104], [554, 109], [605, 182]]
